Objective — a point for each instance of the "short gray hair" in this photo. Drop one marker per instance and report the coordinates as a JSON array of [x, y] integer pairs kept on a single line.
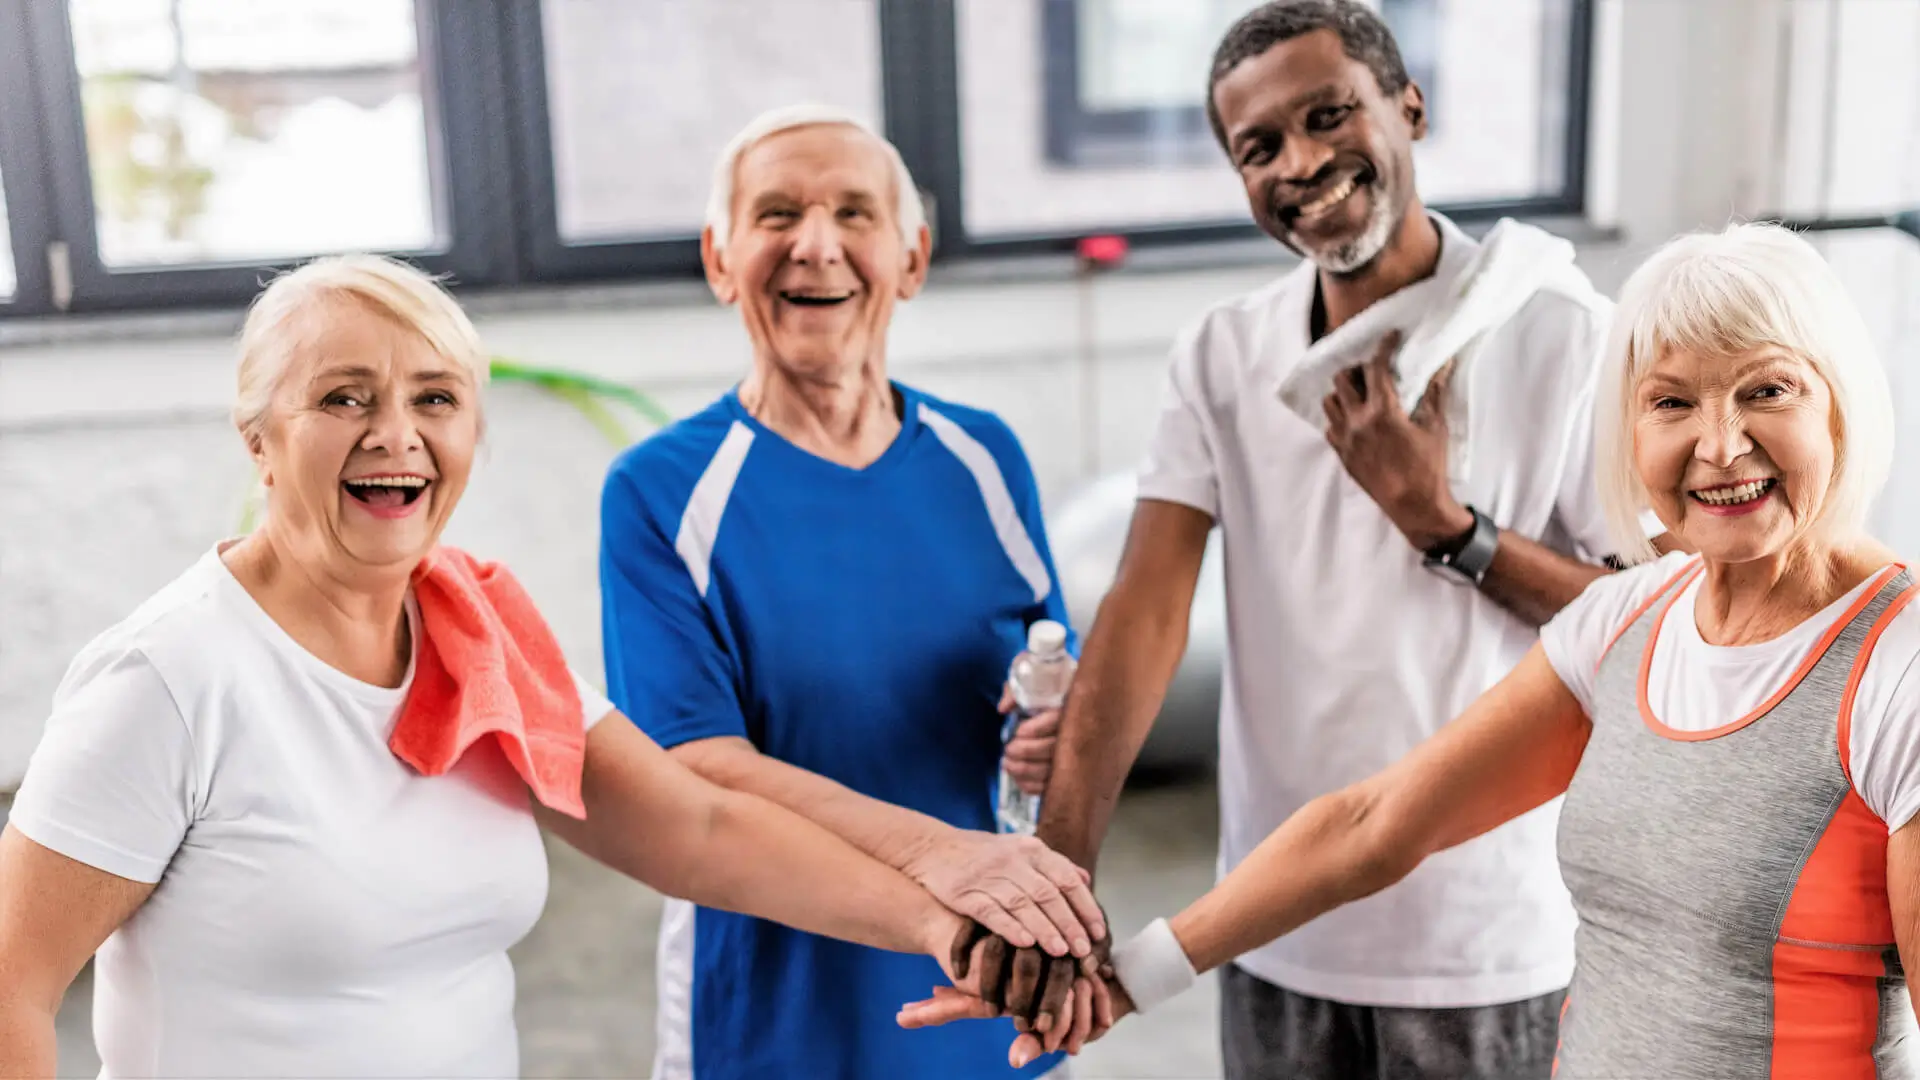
[[391, 287], [1721, 294], [909, 211]]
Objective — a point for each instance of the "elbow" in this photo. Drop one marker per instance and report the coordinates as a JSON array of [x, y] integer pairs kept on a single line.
[[703, 876], [1381, 849]]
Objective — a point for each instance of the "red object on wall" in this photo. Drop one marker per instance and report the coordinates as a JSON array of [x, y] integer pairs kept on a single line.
[[1102, 251]]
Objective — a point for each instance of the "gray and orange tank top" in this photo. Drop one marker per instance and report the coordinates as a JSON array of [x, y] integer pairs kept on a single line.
[[1731, 884]]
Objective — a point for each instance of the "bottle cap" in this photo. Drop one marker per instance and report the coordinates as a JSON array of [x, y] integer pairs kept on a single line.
[[1046, 636]]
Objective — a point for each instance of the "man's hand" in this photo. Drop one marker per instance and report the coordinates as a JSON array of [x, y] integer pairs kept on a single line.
[[1029, 754], [1398, 459], [1015, 886], [1071, 1005]]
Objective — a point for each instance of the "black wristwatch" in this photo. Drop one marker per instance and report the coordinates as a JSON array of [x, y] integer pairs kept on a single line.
[[1464, 559]]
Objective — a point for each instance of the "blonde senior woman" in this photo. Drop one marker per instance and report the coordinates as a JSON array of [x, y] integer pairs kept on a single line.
[[215, 807], [1736, 732]]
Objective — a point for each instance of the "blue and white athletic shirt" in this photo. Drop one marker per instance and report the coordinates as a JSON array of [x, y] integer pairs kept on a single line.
[[857, 623]]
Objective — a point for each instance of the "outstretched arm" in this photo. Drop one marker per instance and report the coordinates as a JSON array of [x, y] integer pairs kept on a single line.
[[1513, 750], [1015, 886], [653, 819]]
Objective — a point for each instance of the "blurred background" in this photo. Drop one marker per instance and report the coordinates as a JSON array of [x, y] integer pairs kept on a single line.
[[158, 158]]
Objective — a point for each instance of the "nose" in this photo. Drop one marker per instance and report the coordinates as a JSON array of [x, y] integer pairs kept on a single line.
[[390, 427], [1302, 160], [1723, 439], [817, 238]]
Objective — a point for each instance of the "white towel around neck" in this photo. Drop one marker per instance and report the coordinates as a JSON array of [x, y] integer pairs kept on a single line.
[[1439, 320]]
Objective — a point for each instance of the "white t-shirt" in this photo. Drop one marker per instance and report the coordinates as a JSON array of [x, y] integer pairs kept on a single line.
[[1344, 652], [1694, 686], [322, 909]]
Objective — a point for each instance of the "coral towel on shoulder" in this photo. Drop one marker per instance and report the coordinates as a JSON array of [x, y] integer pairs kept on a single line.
[[487, 664]]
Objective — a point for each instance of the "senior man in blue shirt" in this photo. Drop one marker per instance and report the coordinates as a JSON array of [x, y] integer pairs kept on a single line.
[[812, 590]]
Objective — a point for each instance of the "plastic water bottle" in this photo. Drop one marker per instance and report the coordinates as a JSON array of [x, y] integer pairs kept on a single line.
[[1040, 677]]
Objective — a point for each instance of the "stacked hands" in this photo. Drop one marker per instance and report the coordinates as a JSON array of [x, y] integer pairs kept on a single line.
[[1033, 943]]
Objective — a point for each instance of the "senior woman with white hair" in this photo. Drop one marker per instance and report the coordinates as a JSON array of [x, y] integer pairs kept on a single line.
[[286, 867], [811, 590], [1736, 732]]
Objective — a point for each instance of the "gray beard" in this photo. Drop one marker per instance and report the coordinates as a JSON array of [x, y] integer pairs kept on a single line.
[[1356, 253]]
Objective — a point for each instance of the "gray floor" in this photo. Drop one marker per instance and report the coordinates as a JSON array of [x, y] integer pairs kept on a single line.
[[586, 972]]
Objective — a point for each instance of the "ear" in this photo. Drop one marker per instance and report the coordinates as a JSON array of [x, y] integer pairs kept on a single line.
[[1413, 106], [919, 255], [256, 449], [715, 262]]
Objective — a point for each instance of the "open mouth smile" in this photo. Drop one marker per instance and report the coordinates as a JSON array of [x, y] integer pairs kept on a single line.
[[389, 494], [1735, 498], [1321, 205], [818, 298]]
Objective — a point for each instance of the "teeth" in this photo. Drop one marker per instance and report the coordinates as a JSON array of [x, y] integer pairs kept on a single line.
[[1739, 493], [1327, 201], [390, 481]]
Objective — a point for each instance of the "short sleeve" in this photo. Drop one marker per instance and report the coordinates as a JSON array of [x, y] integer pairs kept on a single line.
[[113, 782], [1576, 638], [1180, 463], [1884, 735], [667, 667], [594, 705]]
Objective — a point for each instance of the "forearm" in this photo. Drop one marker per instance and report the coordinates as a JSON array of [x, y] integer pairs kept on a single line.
[[892, 834], [763, 860], [1534, 581], [1330, 853], [28, 1045], [1129, 659]]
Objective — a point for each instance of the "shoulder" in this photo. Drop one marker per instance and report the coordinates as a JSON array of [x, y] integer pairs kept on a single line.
[[1584, 628], [1231, 327], [981, 425], [1624, 590], [658, 474], [161, 649], [1896, 647], [1566, 321]]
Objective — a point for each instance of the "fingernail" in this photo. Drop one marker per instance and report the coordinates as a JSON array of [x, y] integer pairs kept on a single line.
[[1021, 1058], [1081, 946]]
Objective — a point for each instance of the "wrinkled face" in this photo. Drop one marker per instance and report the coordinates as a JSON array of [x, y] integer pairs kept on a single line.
[[1737, 453], [815, 258], [1326, 157], [369, 442]]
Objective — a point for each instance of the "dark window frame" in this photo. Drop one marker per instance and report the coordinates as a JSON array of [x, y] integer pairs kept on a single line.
[[23, 168], [1115, 137], [468, 164], [486, 66]]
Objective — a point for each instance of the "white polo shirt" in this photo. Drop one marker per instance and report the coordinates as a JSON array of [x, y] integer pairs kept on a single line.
[[1344, 652]]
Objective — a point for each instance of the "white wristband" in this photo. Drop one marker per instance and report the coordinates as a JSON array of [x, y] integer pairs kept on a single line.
[[1152, 967]]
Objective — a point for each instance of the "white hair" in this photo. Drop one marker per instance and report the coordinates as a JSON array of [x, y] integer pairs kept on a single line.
[[909, 212], [1750, 286], [274, 326]]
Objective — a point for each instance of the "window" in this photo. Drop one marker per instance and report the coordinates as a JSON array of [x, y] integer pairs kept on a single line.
[[642, 95], [235, 131], [1850, 109], [1107, 128], [173, 152]]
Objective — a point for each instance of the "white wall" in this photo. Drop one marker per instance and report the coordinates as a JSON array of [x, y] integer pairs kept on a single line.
[[117, 467]]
